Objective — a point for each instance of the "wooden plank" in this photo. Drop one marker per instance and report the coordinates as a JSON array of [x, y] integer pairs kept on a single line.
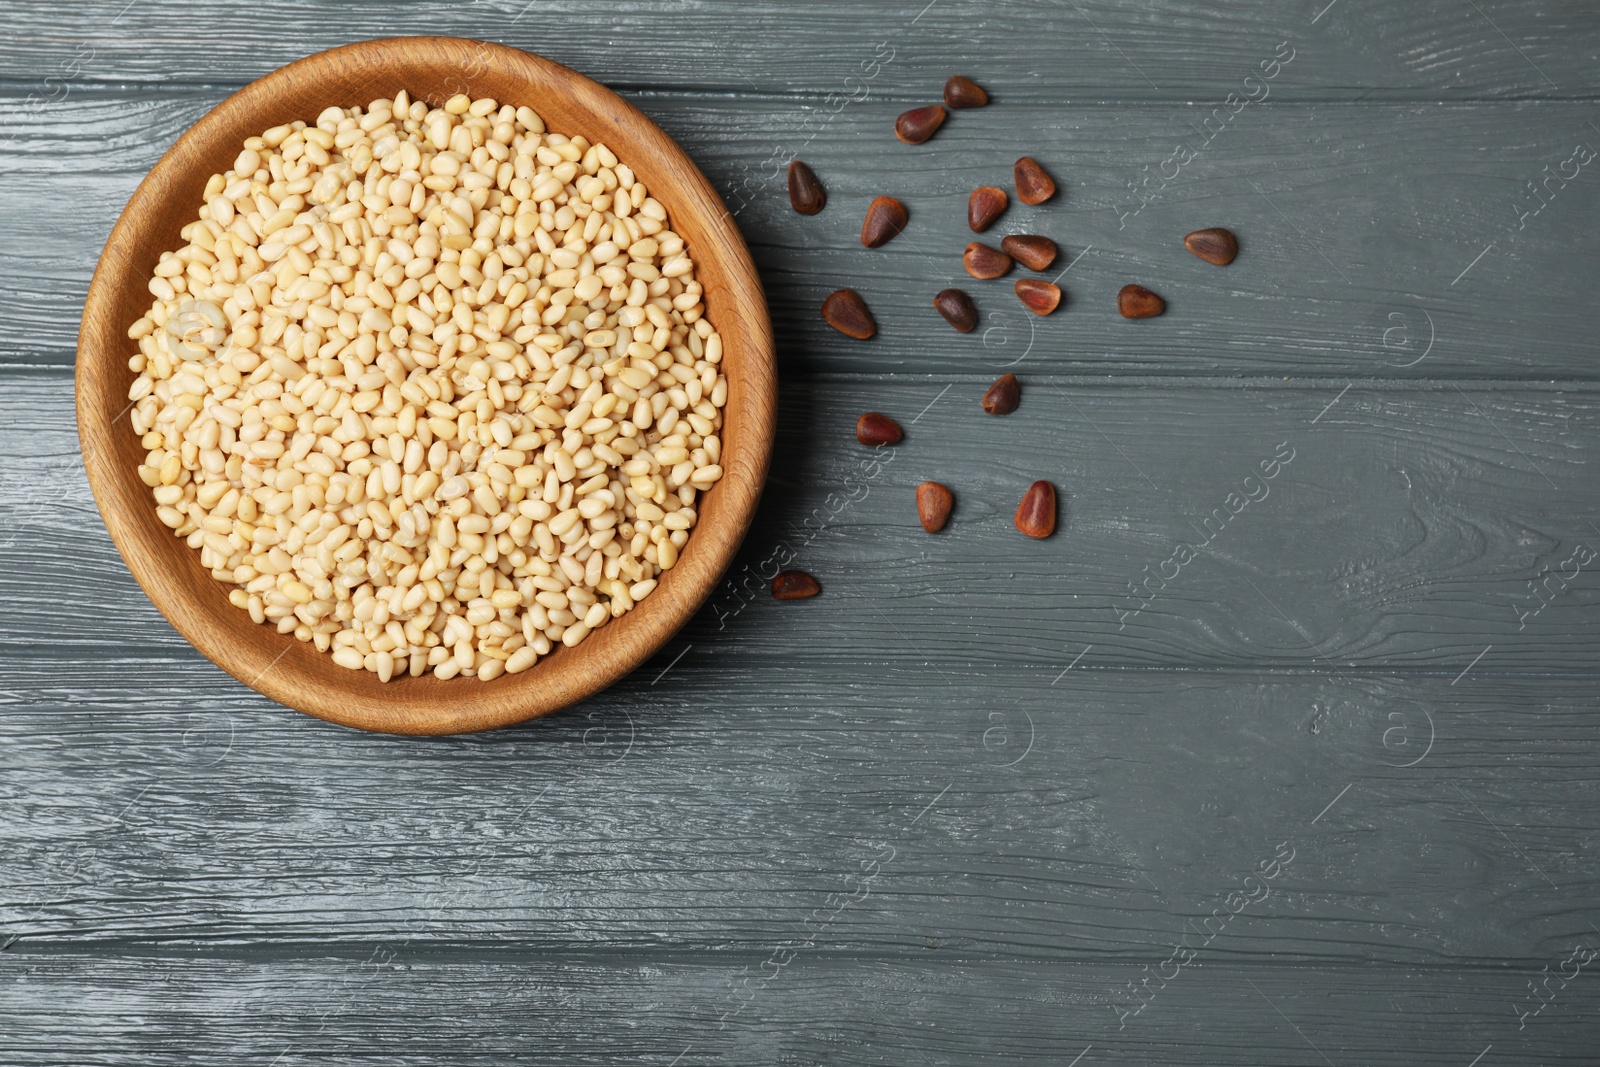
[[1410, 529], [416, 1008], [954, 809], [1090, 50], [1347, 269], [708, 803]]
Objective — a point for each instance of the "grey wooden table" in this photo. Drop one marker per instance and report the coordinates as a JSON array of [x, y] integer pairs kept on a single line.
[[1325, 795]]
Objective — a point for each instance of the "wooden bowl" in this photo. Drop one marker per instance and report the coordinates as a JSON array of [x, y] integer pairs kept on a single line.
[[294, 672]]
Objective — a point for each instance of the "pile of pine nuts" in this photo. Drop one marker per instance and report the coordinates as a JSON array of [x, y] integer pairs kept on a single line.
[[430, 387]]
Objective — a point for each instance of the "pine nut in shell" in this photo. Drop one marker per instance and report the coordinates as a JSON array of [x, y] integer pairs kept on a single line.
[[934, 502], [806, 193], [1137, 302], [1034, 186], [984, 262], [1036, 514], [1037, 295], [957, 309], [1031, 250], [794, 585], [1003, 396], [963, 92], [1214, 245], [919, 124], [875, 429], [884, 220], [985, 204], [848, 313]]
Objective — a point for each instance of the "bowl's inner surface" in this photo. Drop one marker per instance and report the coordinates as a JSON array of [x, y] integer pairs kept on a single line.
[[292, 671]]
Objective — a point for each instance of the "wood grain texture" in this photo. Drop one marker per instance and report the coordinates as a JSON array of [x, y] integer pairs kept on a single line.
[[1085, 52], [694, 867], [419, 1008], [1349, 265], [291, 671], [1082, 819]]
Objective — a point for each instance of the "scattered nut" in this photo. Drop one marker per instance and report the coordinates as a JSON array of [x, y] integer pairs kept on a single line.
[[984, 206], [1036, 515], [806, 193], [962, 92], [886, 217], [875, 430], [984, 262], [919, 124], [1031, 250], [933, 505], [794, 585], [846, 312], [957, 309], [1003, 396], [1137, 302], [1039, 297], [1215, 245], [1034, 186]]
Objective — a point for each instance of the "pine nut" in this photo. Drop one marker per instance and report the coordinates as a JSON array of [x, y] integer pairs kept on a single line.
[[462, 508]]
